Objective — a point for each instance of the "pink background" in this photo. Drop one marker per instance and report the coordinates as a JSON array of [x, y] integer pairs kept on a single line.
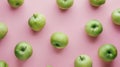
[[71, 22]]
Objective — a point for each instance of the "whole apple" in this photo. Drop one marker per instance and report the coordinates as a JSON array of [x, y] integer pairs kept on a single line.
[[15, 3], [83, 61], [3, 64], [97, 3], [64, 4], [116, 16], [107, 52], [59, 40], [93, 28], [37, 22], [3, 30], [23, 50]]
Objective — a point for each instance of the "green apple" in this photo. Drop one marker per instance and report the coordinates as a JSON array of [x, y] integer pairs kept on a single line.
[[64, 4], [97, 3], [37, 22], [83, 61], [116, 16], [59, 40], [23, 50], [3, 30], [93, 28], [15, 3], [3, 64], [49, 66], [107, 52]]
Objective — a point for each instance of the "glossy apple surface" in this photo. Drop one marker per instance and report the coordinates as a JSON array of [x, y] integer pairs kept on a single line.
[[15, 3], [116, 16], [97, 3], [83, 61], [23, 50], [64, 4], [37, 22], [3, 30], [3, 64], [93, 28], [59, 40], [107, 52]]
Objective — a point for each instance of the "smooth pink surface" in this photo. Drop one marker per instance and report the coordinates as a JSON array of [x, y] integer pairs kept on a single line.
[[71, 22]]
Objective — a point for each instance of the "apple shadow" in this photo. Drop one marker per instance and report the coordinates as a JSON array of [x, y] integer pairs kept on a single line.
[[5, 39], [1, 40], [1, 43], [92, 7], [92, 39], [15, 9], [20, 63], [61, 10], [58, 50], [34, 32], [117, 27], [106, 64]]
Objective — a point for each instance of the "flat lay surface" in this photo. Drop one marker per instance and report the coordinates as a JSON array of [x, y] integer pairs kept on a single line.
[[71, 22]]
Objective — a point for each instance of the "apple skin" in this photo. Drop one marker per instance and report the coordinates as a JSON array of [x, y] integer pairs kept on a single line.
[[49, 66], [59, 40], [3, 64], [83, 61], [116, 16], [23, 50], [107, 52], [64, 4], [97, 3], [37, 22], [93, 28], [3, 30], [15, 3]]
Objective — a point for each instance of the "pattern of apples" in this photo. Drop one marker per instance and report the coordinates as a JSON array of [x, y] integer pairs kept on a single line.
[[107, 52]]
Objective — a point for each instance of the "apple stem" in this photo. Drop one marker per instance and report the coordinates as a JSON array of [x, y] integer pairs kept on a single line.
[[23, 49], [35, 15], [109, 52], [18, 4], [57, 45], [94, 26], [82, 58]]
